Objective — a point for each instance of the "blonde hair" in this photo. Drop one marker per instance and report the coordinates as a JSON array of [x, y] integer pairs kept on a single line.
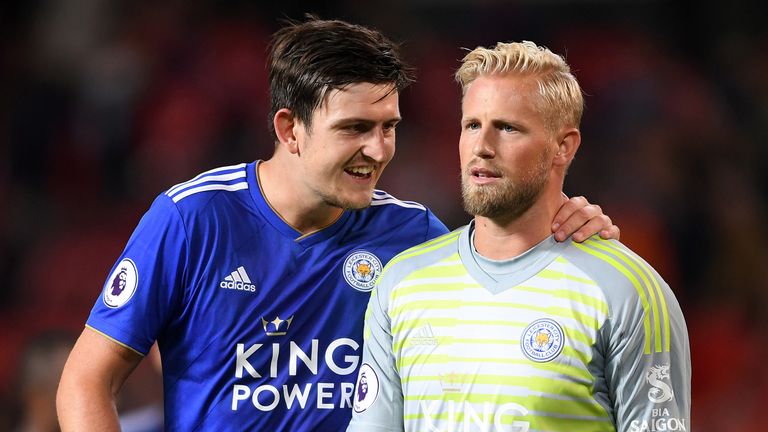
[[561, 102]]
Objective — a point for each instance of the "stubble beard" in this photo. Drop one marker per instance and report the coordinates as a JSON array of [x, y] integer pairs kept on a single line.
[[336, 199], [507, 200]]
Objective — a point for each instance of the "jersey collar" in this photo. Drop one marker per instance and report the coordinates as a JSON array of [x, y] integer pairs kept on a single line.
[[500, 275]]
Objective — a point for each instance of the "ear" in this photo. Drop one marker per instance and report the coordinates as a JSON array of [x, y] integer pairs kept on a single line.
[[568, 142], [285, 129]]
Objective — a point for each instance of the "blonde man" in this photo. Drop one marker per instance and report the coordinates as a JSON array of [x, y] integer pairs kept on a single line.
[[496, 326]]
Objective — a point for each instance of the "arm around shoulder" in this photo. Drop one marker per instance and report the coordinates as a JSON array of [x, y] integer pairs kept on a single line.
[[95, 371]]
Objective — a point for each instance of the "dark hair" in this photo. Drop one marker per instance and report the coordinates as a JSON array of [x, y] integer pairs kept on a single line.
[[311, 58]]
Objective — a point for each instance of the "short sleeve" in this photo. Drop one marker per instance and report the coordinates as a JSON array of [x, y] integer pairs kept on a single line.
[[435, 228], [146, 283]]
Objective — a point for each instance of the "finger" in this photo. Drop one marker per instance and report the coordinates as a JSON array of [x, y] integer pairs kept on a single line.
[[613, 232], [567, 209], [578, 219], [592, 227]]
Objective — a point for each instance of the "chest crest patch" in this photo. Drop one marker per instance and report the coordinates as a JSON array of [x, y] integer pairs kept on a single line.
[[542, 340], [361, 270]]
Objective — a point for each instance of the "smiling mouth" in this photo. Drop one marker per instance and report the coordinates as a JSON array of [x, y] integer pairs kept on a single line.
[[359, 172]]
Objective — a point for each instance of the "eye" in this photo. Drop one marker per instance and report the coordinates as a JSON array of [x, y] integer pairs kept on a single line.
[[389, 127], [357, 128], [473, 125], [508, 128]]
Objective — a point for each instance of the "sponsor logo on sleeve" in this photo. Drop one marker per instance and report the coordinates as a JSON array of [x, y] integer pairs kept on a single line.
[[367, 388], [361, 270], [660, 391], [121, 284], [661, 422]]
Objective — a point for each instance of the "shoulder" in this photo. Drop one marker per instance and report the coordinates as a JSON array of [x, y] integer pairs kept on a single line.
[[401, 223], [227, 183], [384, 201], [635, 292], [397, 212], [612, 265], [421, 256]]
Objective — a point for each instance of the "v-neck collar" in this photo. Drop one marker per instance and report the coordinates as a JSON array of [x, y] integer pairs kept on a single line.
[[274, 219], [513, 271]]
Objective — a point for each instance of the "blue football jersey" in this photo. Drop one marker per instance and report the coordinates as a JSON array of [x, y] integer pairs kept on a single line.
[[259, 327]]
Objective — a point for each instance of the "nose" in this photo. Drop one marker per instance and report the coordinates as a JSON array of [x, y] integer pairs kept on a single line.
[[484, 145], [379, 145]]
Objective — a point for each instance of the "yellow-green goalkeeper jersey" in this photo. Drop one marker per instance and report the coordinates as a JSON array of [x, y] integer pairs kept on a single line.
[[565, 337]]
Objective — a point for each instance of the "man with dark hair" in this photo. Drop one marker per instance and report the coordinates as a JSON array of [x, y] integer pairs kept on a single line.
[[304, 67], [253, 278]]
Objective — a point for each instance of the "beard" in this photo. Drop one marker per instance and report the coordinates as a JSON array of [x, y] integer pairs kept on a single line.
[[344, 201], [345, 204], [508, 199]]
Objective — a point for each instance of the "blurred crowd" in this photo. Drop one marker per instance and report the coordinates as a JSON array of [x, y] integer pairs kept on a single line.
[[105, 104]]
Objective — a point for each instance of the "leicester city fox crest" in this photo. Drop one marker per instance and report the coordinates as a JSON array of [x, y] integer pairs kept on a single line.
[[542, 340], [361, 270]]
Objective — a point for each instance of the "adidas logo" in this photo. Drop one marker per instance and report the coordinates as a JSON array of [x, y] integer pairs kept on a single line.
[[422, 336], [238, 280]]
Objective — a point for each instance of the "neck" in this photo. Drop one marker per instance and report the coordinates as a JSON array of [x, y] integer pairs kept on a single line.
[[298, 207], [501, 238]]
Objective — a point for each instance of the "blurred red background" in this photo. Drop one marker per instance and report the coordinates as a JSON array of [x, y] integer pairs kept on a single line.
[[107, 103]]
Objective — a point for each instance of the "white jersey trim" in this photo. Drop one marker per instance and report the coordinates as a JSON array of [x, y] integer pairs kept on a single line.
[[382, 198], [199, 178], [224, 187], [213, 178]]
